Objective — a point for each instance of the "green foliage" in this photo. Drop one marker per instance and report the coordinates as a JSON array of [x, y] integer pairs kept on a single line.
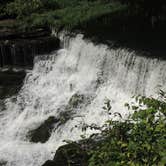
[[3, 4], [67, 3], [49, 4], [74, 13], [60, 13], [70, 17], [22, 8], [137, 140]]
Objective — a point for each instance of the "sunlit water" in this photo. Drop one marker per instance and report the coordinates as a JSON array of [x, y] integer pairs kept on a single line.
[[80, 67]]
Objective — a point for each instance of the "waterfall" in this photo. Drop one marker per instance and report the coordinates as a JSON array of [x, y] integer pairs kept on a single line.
[[80, 67]]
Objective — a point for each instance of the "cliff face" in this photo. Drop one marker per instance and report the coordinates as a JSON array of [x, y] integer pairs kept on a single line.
[[18, 48], [10, 82], [131, 32]]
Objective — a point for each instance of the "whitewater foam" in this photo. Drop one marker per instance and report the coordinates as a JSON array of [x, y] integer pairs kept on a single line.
[[79, 68]]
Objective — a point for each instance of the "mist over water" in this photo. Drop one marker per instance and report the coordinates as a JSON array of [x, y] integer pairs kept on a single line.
[[94, 71]]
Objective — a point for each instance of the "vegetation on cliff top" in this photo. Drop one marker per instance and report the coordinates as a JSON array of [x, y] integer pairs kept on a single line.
[[69, 14], [56, 13]]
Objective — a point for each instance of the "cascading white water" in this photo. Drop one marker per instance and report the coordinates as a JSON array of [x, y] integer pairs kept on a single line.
[[80, 67]]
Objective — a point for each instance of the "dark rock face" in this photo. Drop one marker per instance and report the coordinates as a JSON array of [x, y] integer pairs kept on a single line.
[[76, 100], [10, 82], [70, 154], [8, 31], [18, 48], [43, 132], [20, 52], [75, 153], [50, 163], [3, 163], [132, 32], [10, 77]]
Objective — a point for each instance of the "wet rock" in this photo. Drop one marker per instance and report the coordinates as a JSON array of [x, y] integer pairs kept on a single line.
[[50, 163], [10, 82], [75, 153], [70, 154], [43, 132], [76, 100], [2, 105], [64, 117], [3, 163], [11, 77], [10, 33]]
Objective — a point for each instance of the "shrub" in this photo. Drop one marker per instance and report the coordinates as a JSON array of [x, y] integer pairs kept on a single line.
[[140, 139], [22, 8]]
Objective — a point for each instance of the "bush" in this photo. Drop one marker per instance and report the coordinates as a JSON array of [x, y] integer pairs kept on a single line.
[[3, 4], [138, 140], [22, 8]]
